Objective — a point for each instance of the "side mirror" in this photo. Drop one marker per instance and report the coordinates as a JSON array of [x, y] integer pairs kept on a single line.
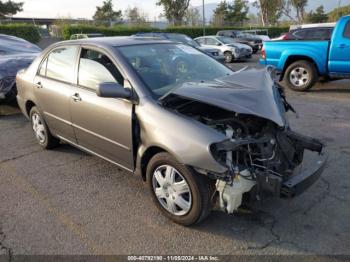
[[219, 44], [115, 90]]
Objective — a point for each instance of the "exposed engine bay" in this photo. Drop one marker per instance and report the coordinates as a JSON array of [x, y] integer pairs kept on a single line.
[[259, 154]]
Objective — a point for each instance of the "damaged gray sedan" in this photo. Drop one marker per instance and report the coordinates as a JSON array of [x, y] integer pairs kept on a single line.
[[198, 133]]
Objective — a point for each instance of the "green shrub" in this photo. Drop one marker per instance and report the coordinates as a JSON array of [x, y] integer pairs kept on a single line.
[[25, 31], [121, 30]]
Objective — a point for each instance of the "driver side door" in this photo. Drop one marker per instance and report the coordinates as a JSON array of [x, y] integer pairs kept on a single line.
[[102, 125]]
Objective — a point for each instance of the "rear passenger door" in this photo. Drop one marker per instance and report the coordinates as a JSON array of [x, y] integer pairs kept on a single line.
[[102, 125], [54, 86], [339, 53]]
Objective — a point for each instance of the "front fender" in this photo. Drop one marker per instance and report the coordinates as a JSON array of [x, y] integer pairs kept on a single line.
[[185, 139]]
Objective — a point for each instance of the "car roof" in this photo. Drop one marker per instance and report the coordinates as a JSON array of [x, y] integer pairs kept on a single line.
[[115, 41]]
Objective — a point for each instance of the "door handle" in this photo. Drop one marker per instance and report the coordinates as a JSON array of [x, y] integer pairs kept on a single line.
[[39, 85], [343, 46], [76, 97]]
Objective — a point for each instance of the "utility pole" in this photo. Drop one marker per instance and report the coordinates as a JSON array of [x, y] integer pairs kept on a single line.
[[339, 8], [203, 14]]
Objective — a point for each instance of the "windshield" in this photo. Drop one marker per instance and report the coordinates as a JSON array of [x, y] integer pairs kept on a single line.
[[183, 39], [164, 67], [226, 40]]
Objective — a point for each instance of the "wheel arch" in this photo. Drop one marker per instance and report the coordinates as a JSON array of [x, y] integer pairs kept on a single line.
[[28, 106], [144, 159]]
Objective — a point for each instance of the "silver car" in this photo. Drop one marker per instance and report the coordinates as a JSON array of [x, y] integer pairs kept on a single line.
[[194, 130], [232, 50]]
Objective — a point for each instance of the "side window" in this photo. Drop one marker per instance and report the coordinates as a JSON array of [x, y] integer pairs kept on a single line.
[[201, 41], [61, 63], [211, 41], [96, 68], [42, 70], [347, 30]]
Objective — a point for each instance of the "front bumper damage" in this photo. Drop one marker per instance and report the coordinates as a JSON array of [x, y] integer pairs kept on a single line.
[[298, 183], [261, 182]]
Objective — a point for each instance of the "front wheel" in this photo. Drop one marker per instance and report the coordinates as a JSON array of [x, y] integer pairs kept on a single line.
[[229, 57], [179, 193], [300, 75]]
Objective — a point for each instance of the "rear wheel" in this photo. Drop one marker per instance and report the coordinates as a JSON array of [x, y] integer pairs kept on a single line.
[[300, 75], [41, 131], [179, 193], [229, 57]]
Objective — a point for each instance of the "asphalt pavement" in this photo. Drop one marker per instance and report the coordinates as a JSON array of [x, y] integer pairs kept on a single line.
[[64, 201]]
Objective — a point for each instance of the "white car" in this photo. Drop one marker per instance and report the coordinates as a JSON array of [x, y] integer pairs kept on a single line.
[[231, 49]]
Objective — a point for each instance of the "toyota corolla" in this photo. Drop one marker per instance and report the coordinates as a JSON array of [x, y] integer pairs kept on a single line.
[[198, 133]]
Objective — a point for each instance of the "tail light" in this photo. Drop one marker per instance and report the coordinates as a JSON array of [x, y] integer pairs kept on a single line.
[[285, 37], [263, 53]]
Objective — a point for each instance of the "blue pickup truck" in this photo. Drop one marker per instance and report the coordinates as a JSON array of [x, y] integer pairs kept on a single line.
[[302, 63]]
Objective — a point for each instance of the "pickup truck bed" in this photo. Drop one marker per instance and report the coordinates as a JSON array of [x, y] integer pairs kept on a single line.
[[282, 53]]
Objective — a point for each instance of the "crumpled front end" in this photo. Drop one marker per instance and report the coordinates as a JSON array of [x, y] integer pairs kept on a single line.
[[262, 154]]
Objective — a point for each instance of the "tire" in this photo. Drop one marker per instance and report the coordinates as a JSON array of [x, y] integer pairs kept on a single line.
[[300, 76], [41, 131], [229, 57], [195, 201]]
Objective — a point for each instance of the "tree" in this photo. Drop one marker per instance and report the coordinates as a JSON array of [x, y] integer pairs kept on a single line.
[[135, 16], [192, 17], [336, 13], [270, 10], [106, 15], [220, 14], [319, 16], [237, 13], [234, 14], [174, 10], [299, 6], [10, 8]]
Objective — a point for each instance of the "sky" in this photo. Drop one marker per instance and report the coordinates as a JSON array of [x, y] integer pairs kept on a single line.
[[86, 8]]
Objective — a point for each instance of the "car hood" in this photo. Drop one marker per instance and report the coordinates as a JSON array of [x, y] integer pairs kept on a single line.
[[249, 91]]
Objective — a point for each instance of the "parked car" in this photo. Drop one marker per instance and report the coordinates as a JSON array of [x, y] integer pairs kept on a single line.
[[15, 54], [302, 63], [232, 50], [254, 42], [259, 33], [196, 136], [181, 38], [82, 36]]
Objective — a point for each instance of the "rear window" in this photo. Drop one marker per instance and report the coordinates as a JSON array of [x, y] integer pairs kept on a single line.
[[314, 34], [347, 30]]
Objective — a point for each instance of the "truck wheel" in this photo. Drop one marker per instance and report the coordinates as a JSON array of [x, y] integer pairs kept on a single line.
[[300, 75], [229, 57], [41, 131], [181, 194]]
